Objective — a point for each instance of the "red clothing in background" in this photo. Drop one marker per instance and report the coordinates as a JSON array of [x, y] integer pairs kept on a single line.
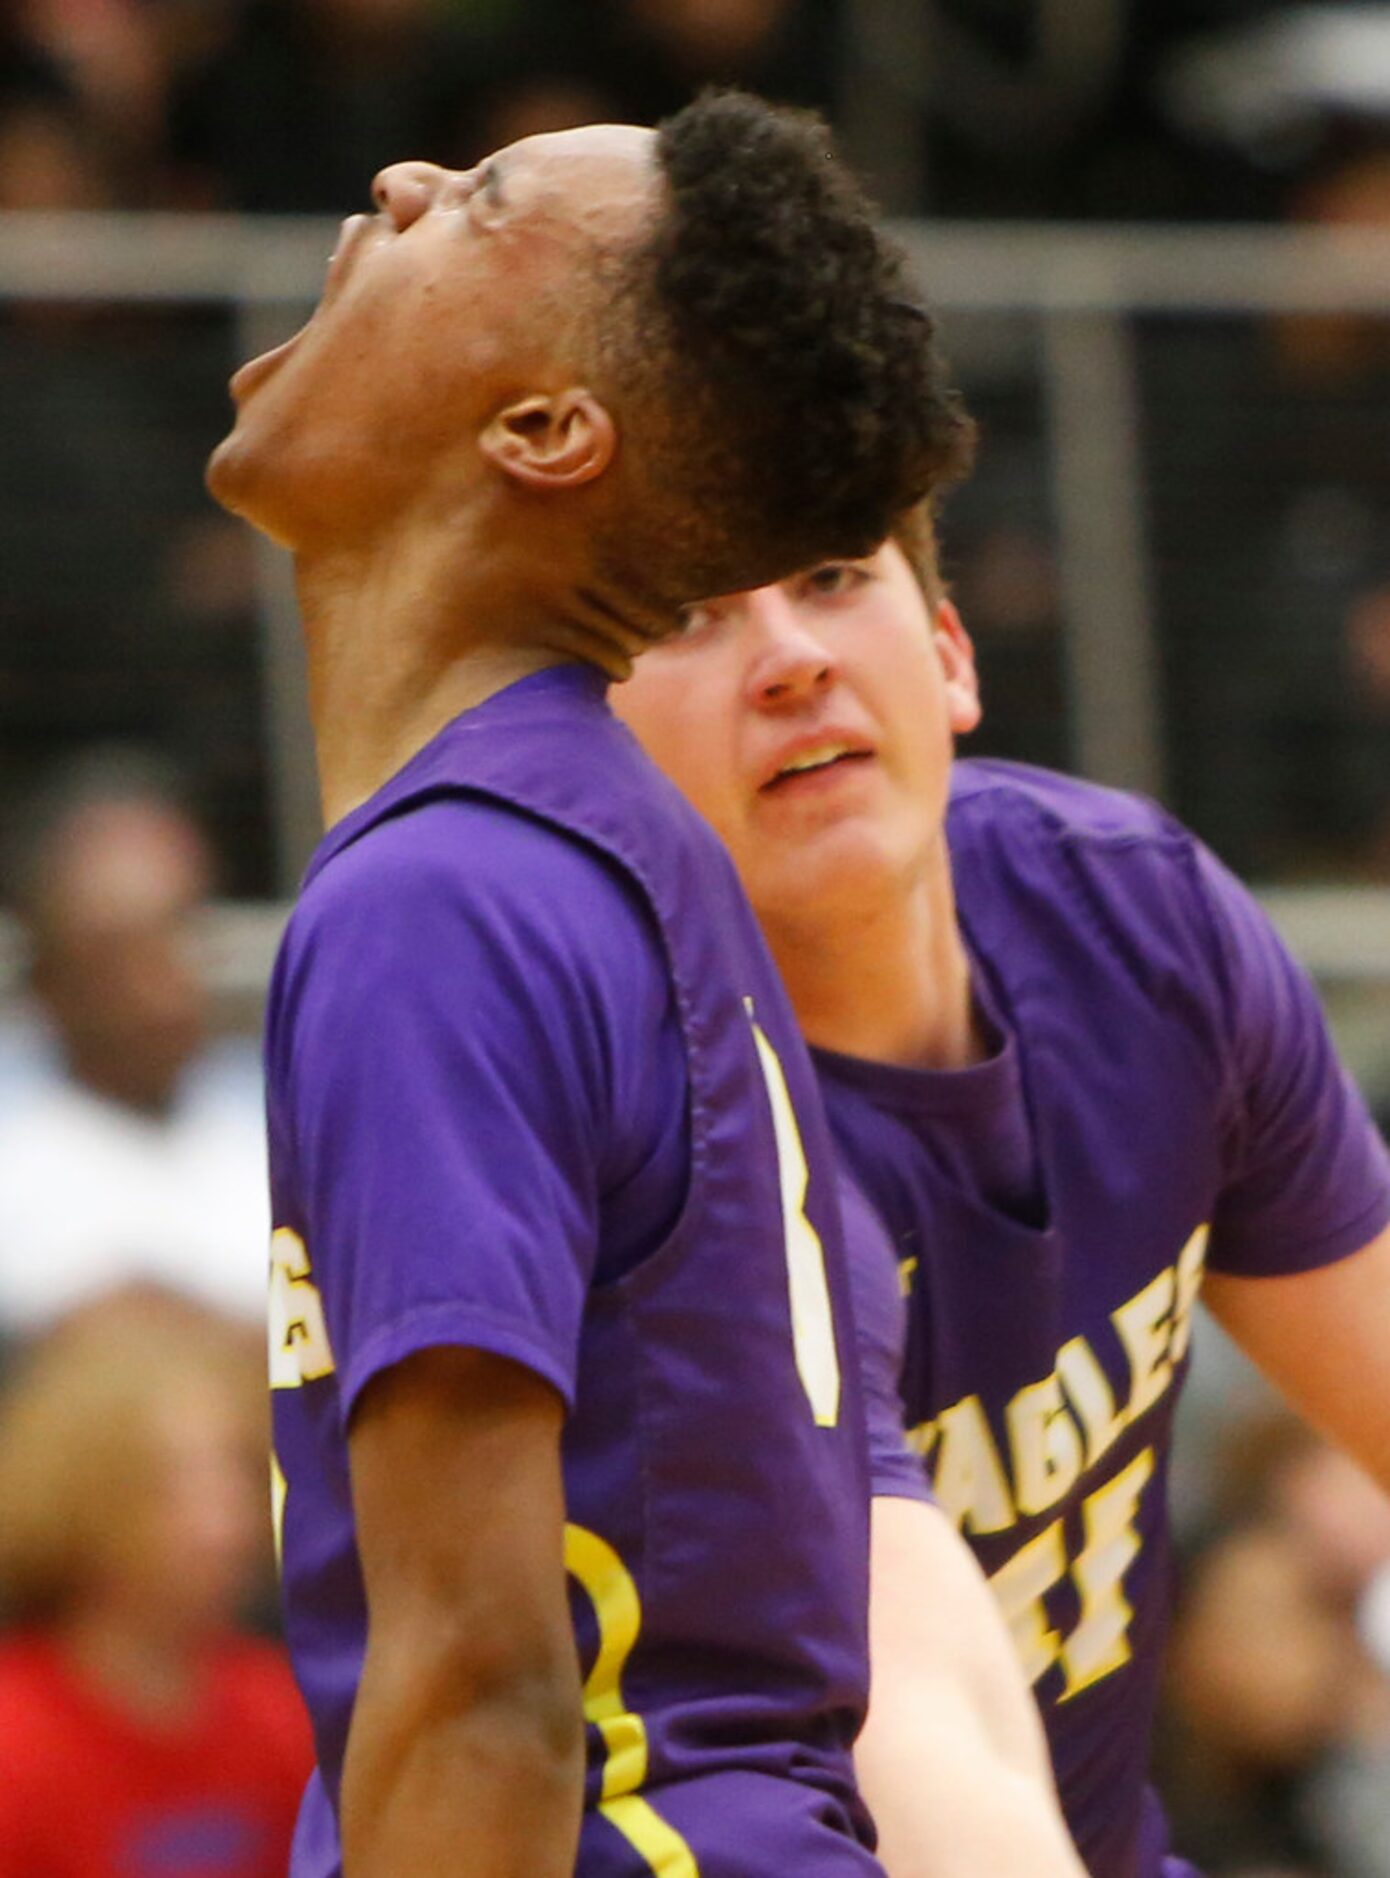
[[87, 1791]]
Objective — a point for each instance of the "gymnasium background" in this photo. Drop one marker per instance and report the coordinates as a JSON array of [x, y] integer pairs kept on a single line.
[[1158, 232]]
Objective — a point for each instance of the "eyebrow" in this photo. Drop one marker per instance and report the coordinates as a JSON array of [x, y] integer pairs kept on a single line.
[[492, 184]]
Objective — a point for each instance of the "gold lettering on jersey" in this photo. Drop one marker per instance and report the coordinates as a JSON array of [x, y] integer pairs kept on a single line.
[[1058, 1429], [1155, 1326], [970, 1480], [1021, 1587], [922, 1438], [1192, 1261], [1046, 1446], [1145, 1328], [1100, 1643], [1089, 1392], [299, 1348]]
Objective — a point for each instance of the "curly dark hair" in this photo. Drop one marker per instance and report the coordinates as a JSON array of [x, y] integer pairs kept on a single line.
[[784, 396]]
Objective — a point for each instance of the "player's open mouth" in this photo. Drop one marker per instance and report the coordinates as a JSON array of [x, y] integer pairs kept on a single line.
[[355, 231], [816, 760]]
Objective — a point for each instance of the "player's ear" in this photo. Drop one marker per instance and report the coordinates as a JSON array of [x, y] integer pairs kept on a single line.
[[957, 654], [552, 440]]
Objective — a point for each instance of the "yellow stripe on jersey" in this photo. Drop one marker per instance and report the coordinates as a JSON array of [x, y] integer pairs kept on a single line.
[[612, 1592], [618, 1612], [648, 1833]]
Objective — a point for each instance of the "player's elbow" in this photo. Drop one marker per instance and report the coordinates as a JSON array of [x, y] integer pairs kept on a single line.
[[521, 1734], [514, 1683], [492, 1713], [535, 1704]]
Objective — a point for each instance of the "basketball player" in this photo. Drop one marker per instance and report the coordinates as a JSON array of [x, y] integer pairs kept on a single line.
[[558, 1289], [1076, 1071]]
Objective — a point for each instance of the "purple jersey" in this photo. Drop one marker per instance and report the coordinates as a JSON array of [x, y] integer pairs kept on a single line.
[[880, 1320], [1163, 1096], [534, 1088]]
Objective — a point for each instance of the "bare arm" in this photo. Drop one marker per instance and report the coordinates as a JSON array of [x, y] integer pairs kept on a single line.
[[466, 1746], [1323, 1337], [952, 1760]]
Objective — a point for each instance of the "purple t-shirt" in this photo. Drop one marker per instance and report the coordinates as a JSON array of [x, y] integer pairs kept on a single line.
[[1163, 1097], [534, 1088]]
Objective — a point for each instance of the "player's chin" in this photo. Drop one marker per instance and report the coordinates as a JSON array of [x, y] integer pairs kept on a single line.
[[225, 474], [814, 878], [236, 478]]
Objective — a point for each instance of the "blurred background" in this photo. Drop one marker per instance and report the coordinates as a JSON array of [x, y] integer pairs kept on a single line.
[[1158, 232]]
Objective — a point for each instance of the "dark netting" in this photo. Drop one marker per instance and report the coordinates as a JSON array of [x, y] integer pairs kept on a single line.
[[127, 605]]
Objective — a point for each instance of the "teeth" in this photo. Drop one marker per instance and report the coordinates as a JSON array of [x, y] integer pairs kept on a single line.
[[816, 758]]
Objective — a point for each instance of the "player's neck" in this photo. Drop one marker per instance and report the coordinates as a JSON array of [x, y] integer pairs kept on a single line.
[[887, 980], [404, 634]]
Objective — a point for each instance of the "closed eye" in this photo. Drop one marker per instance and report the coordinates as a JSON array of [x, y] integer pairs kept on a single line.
[[491, 182]]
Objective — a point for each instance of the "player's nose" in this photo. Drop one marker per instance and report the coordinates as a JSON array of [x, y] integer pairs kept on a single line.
[[790, 661], [403, 191]]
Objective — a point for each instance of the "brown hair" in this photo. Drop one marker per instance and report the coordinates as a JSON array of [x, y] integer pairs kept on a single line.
[[79, 1438]]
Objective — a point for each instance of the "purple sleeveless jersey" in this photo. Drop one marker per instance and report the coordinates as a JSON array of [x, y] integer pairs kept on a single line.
[[1163, 1097], [534, 1087]]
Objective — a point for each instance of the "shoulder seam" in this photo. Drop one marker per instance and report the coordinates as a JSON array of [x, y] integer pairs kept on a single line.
[[1164, 833]]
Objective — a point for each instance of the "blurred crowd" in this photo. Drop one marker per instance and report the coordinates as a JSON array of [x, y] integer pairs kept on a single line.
[[144, 1728], [132, 1210], [143, 1731], [290, 105], [1275, 1756], [1265, 481], [135, 1577], [1118, 108]]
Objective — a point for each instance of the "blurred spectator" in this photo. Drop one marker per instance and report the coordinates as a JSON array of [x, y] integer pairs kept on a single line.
[[1000, 557], [109, 53], [51, 157], [1280, 1712], [653, 55], [130, 1147], [139, 1734], [1034, 108], [109, 624], [113, 64], [1273, 598], [304, 100], [1289, 86], [1332, 349]]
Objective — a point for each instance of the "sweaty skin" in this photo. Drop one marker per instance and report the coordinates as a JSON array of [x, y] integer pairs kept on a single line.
[[388, 445]]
